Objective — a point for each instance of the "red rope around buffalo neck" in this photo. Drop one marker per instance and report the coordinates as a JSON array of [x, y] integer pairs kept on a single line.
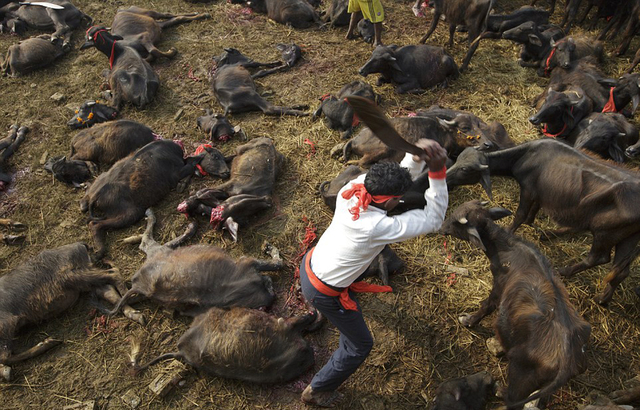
[[548, 134], [610, 106]]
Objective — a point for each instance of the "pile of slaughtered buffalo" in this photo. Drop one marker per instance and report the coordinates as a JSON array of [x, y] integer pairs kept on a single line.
[[145, 136]]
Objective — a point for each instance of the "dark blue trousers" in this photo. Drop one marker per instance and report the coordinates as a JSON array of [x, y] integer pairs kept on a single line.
[[355, 338]]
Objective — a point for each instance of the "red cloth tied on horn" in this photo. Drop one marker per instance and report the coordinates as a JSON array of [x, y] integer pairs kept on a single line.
[[364, 198]]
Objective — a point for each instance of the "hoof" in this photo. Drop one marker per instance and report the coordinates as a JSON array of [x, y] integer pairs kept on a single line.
[[465, 319], [5, 372]]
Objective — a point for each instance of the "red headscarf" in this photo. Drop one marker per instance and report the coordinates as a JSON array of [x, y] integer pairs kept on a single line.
[[364, 198]]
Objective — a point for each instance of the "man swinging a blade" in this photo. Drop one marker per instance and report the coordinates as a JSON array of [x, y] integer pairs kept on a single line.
[[359, 230]]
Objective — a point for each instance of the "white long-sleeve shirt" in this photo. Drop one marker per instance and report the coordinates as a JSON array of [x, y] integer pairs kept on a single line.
[[348, 247]]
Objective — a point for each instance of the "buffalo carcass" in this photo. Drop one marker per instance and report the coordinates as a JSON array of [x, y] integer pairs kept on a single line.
[[372, 150], [120, 196], [577, 191], [536, 44], [236, 92], [217, 126], [131, 78], [8, 146], [464, 393], [43, 287], [471, 13], [141, 29], [338, 113], [411, 68], [92, 112], [99, 147], [254, 170], [542, 334], [30, 55], [41, 17], [609, 135], [245, 344], [195, 278], [294, 13]]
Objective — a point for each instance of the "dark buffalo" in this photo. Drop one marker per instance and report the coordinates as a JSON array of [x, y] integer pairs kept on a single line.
[[294, 13], [141, 29], [92, 112], [245, 344], [337, 14], [562, 111], [62, 21], [194, 278], [542, 334], [372, 150], [99, 147], [131, 78], [8, 146], [536, 44], [464, 393], [606, 134], [569, 49], [494, 136], [30, 55], [499, 23], [338, 113], [411, 68], [577, 191], [471, 13], [45, 286], [120, 196]]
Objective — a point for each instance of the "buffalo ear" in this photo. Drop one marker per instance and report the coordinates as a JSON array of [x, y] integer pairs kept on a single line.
[[498, 213], [615, 152], [607, 82], [636, 100], [535, 40], [485, 181], [393, 62], [117, 37], [232, 227], [474, 238]]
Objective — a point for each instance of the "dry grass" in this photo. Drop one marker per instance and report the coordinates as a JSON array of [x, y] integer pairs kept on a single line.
[[419, 342]]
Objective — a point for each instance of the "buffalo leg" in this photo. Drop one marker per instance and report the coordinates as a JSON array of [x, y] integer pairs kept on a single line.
[[262, 265], [632, 28], [627, 396], [184, 18], [156, 52], [98, 228], [432, 28], [600, 253], [452, 31], [474, 42], [486, 308], [11, 149], [626, 252], [111, 295], [636, 61], [522, 381], [148, 245], [13, 132], [36, 350], [524, 211]]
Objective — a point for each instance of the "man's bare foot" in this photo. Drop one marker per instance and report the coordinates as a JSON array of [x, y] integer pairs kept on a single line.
[[350, 36], [378, 43], [320, 398]]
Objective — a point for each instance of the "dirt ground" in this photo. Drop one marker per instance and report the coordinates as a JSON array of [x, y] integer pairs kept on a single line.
[[418, 341]]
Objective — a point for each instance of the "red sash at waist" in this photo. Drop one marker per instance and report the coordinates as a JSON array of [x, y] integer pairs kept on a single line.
[[345, 299]]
